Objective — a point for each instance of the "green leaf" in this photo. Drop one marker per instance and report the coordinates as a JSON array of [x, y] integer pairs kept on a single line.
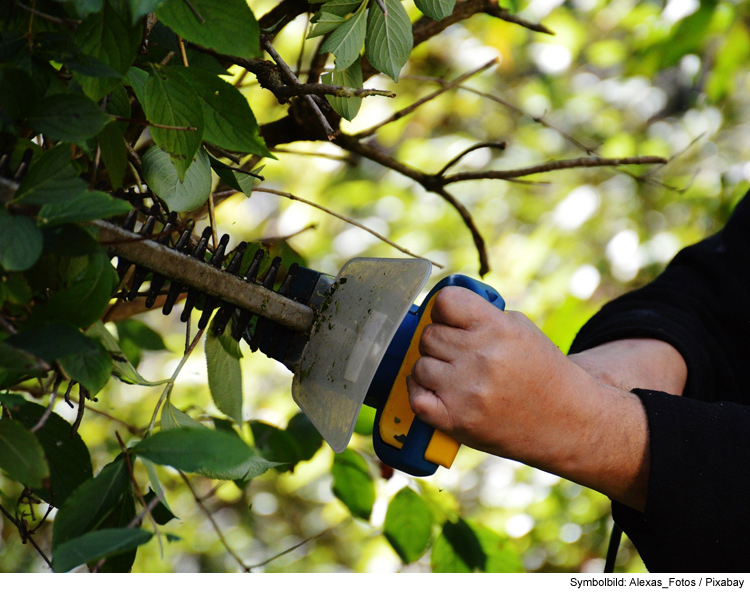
[[121, 516], [224, 373], [114, 154], [134, 336], [89, 205], [341, 7], [121, 367], [85, 7], [172, 418], [155, 482], [51, 178], [389, 38], [275, 445], [17, 365], [111, 39], [436, 9], [308, 439], [162, 177], [345, 43], [69, 240], [21, 455], [323, 22], [140, 8], [137, 331], [51, 341], [161, 513], [171, 101], [21, 242], [68, 117], [67, 456], [137, 78], [458, 549], [91, 282], [193, 449], [95, 545], [11, 401], [501, 556], [408, 525], [90, 504], [352, 483], [234, 178], [229, 26], [92, 370], [229, 120], [351, 77]]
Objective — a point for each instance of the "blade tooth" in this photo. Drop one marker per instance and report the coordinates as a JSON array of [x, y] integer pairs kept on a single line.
[[23, 167], [141, 273], [252, 271], [193, 295], [243, 321], [227, 309], [210, 302], [262, 325], [157, 279]]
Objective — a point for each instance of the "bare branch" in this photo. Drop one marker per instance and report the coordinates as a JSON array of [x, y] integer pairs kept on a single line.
[[431, 183], [412, 107], [216, 528], [343, 218], [552, 166], [470, 149], [302, 89], [292, 78]]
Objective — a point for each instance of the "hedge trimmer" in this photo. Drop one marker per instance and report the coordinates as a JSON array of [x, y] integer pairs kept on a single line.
[[349, 340]]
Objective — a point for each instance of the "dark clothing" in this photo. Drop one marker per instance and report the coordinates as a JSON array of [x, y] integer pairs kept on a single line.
[[697, 515]]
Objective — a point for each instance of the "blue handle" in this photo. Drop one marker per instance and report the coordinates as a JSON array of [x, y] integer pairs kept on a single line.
[[410, 458]]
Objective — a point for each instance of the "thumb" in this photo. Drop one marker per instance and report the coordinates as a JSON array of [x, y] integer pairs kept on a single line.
[[428, 406]]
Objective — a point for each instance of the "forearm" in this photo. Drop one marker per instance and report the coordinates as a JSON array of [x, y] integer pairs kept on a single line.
[[636, 363]]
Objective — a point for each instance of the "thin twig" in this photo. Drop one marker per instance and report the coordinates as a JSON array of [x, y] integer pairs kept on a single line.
[[276, 239], [470, 149], [27, 536], [268, 47], [52, 398], [212, 219], [412, 107], [130, 427], [290, 549], [552, 166], [81, 407], [346, 219], [50, 18], [320, 155], [211, 519], [195, 12], [183, 54], [137, 490], [168, 388]]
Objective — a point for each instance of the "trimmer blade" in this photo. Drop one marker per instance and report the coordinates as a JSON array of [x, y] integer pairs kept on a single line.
[[367, 303]]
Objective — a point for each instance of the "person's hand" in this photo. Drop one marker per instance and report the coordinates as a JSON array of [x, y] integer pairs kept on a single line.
[[494, 381]]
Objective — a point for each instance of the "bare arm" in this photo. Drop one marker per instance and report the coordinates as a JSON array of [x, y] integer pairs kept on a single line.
[[495, 382]]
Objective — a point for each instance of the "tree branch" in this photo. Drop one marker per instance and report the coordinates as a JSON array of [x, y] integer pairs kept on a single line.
[[412, 107], [431, 183], [552, 166]]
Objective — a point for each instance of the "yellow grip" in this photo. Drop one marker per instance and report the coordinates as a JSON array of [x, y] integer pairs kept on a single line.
[[397, 415]]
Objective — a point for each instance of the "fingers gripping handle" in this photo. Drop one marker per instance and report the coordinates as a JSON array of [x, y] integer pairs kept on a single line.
[[400, 438]]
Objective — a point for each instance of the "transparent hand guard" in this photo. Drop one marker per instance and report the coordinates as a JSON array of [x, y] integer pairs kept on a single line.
[[368, 301]]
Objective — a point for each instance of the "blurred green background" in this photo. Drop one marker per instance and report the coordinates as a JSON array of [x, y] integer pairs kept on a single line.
[[619, 78]]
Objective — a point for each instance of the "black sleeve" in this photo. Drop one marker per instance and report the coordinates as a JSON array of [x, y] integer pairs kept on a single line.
[[697, 514]]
